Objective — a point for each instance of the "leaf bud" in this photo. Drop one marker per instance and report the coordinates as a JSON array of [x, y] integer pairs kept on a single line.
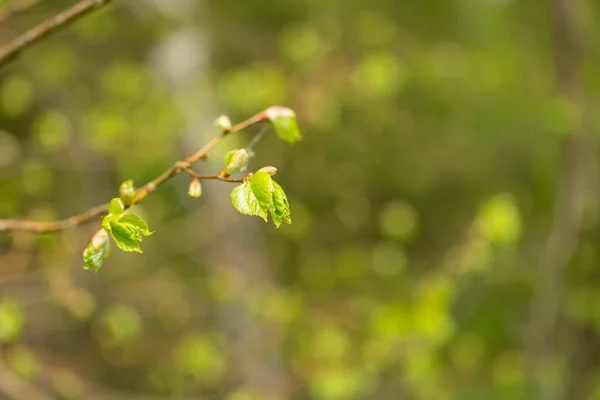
[[223, 123], [195, 188], [127, 192]]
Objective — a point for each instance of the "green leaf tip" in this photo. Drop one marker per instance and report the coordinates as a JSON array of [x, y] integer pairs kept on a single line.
[[269, 170], [127, 192], [284, 122], [116, 207], [96, 251], [261, 195]]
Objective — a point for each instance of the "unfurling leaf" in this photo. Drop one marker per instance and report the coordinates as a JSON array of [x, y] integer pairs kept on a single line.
[[284, 122], [135, 222], [262, 187], [97, 251], [281, 212], [261, 195], [269, 170], [195, 188], [125, 239], [223, 123], [116, 207], [235, 160], [127, 192], [244, 201], [126, 230]]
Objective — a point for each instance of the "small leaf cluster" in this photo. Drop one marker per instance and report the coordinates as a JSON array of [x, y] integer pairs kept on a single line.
[[260, 195], [126, 229], [235, 160]]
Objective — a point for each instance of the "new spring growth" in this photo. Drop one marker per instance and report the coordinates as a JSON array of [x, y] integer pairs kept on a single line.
[[235, 160], [127, 192], [269, 169], [99, 239], [97, 251], [223, 123], [284, 122], [195, 188]]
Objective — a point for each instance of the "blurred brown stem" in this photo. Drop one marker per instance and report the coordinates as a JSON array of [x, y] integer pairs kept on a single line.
[[63, 19], [15, 7], [7, 225], [15, 388], [571, 32]]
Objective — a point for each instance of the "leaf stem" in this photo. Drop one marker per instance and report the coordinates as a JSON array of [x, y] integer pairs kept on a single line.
[[212, 177]]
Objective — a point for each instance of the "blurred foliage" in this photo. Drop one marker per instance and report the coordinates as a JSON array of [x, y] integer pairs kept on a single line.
[[421, 193]]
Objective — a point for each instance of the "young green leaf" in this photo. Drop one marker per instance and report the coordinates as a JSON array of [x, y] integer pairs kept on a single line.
[[116, 206], [125, 238], [245, 202], [136, 223], [284, 122], [127, 192], [261, 195], [106, 221], [281, 211], [262, 187], [97, 251]]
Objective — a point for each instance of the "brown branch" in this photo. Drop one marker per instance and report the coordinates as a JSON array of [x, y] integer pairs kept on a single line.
[[217, 177], [94, 212], [63, 19], [16, 7]]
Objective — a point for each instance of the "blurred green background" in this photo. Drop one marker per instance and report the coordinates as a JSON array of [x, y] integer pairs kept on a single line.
[[422, 197]]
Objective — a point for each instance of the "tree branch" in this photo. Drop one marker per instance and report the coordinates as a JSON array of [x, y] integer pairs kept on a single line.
[[216, 177], [13, 48], [8, 225], [16, 7]]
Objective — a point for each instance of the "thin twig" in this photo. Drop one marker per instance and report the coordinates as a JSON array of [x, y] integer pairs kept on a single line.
[[257, 138], [193, 174], [63, 19], [89, 215], [16, 7]]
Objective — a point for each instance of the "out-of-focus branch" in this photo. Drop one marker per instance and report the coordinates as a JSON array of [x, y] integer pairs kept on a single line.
[[16, 7], [94, 212], [63, 19], [15, 388], [571, 32]]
